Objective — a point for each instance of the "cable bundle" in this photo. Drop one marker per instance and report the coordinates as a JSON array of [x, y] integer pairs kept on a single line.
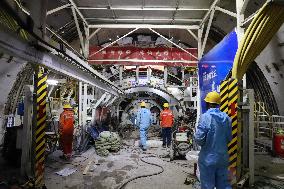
[[263, 27]]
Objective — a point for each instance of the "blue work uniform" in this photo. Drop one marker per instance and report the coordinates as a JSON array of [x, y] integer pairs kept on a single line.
[[213, 134], [143, 121]]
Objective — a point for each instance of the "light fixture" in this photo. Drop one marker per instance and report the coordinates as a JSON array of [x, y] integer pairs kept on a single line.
[[52, 82]]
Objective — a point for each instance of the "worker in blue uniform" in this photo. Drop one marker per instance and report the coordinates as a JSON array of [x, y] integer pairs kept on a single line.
[[143, 121], [213, 133]]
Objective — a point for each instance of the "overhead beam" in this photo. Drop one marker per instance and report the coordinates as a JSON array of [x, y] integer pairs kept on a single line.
[[79, 12], [94, 33], [245, 4], [172, 43], [114, 42], [193, 35], [145, 8], [79, 70], [208, 12], [78, 30], [207, 31], [230, 13], [156, 26], [146, 19], [57, 9]]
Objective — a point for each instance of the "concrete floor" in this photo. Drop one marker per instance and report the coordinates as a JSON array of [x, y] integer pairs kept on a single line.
[[112, 171]]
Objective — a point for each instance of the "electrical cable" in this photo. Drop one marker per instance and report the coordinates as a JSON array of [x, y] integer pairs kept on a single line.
[[263, 27], [146, 175]]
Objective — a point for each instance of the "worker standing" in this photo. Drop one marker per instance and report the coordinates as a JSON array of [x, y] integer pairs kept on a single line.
[[213, 134], [166, 122], [66, 130], [143, 121]]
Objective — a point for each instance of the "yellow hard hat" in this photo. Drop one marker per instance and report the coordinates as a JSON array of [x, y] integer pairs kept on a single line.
[[213, 98], [143, 104], [166, 105], [67, 106]]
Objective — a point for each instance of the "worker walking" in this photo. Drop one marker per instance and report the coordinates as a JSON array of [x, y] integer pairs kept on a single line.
[[166, 122], [66, 130], [143, 121], [213, 134]]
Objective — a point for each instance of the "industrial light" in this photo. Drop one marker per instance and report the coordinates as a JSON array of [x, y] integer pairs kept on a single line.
[[52, 82]]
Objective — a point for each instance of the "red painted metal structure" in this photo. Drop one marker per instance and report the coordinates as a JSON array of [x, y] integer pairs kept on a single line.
[[143, 56]]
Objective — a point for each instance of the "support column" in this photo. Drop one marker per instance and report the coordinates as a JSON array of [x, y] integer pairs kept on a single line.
[[149, 73], [165, 76], [137, 74], [80, 109], [39, 125], [26, 167], [84, 112], [120, 74]]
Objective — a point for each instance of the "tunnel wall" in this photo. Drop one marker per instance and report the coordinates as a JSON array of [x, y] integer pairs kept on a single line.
[[8, 75], [271, 63]]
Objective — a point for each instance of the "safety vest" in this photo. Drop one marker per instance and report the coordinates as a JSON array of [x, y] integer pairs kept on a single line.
[[167, 118]]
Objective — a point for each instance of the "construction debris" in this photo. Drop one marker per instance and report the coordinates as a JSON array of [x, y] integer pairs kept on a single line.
[[66, 172], [107, 142]]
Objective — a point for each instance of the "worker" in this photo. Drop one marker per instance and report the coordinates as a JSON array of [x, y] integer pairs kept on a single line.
[[66, 130], [213, 134], [166, 122], [143, 121]]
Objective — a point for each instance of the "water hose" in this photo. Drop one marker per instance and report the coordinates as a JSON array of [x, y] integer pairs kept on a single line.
[[146, 175], [263, 27]]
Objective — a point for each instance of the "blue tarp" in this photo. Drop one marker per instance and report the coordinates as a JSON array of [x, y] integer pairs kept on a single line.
[[215, 65]]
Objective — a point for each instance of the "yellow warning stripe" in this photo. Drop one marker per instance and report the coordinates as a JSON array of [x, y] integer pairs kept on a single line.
[[39, 154], [40, 145], [234, 156], [43, 95], [40, 137], [41, 80], [43, 87], [43, 119]]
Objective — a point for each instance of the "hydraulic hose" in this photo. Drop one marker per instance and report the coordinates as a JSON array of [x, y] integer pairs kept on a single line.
[[263, 27], [146, 175]]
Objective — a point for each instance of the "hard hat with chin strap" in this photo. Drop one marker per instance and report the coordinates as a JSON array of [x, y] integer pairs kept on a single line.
[[213, 98], [166, 105], [143, 104]]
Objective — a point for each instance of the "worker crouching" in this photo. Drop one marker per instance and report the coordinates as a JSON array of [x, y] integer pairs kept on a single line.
[[166, 122], [213, 134], [143, 122], [66, 131]]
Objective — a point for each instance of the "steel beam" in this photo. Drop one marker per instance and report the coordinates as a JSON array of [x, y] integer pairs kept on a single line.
[[79, 12], [94, 33], [172, 42], [57, 9], [245, 4], [77, 69], [192, 34], [112, 100], [145, 8], [207, 31], [226, 11], [208, 12], [156, 26], [114, 41], [145, 19], [78, 30]]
